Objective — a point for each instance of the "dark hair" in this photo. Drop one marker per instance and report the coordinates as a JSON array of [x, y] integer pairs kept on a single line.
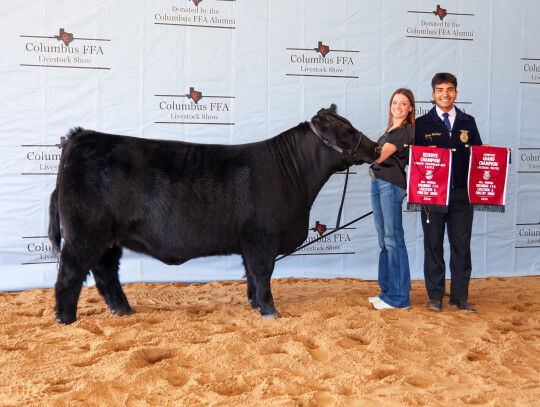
[[443, 77], [410, 116]]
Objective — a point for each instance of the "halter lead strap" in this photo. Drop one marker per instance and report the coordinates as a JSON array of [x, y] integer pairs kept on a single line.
[[314, 130], [329, 144]]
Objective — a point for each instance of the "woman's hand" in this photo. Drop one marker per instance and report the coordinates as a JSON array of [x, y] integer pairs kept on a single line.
[[387, 150]]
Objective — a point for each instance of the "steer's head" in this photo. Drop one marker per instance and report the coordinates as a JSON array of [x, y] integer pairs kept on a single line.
[[337, 132]]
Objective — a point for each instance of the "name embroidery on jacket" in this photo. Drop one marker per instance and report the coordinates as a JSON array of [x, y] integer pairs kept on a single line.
[[428, 136]]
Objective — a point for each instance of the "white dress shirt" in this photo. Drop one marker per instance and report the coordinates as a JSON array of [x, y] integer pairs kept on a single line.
[[451, 115]]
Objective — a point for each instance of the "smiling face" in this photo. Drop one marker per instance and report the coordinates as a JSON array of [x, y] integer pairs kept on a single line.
[[444, 96], [400, 107]]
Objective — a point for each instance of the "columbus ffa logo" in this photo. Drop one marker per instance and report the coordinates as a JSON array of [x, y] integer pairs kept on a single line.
[[326, 244], [322, 49], [217, 16], [64, 51], [64, 36], [194, 95], [340, 65], [457, 28], [196, 110], [440, 12], [464, 136]]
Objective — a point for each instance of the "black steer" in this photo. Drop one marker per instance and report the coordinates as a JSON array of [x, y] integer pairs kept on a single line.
[[177, 201]]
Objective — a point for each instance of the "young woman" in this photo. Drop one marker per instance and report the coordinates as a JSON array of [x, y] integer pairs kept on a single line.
[[388, 188]]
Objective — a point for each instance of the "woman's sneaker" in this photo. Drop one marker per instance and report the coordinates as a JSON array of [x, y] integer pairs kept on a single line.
[[373, 300], [382, 305]]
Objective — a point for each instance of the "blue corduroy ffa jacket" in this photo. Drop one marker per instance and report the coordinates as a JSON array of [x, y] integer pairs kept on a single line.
[[430, 130]]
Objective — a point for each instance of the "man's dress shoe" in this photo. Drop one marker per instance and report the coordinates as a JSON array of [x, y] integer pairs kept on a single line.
[[435, 304], [461, 305]]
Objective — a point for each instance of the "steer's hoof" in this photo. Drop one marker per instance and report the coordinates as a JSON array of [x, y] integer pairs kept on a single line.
[[123, 311], [274, 315], [65, 320]]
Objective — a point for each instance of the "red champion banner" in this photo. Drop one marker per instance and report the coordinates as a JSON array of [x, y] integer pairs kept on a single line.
[[428, 180], [488, 170]]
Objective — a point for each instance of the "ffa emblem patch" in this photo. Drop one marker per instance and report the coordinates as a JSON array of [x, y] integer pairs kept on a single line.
[[486, 175], [464, 136], [429, 175]]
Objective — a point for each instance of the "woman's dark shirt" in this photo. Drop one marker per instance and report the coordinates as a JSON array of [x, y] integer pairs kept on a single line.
[[393, 168]]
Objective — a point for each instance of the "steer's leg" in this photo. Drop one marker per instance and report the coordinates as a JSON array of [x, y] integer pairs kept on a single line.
[[71, 275], [259, 259], [108, 284], [252, 298]]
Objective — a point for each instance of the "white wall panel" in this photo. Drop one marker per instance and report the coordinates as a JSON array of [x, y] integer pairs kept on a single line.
[[130, 66]]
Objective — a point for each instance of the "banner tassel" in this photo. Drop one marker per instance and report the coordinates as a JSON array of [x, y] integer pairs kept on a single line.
[[488, 208], [412, 206]]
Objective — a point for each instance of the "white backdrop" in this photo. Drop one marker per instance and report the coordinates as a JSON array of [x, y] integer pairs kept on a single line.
[[126, 67]]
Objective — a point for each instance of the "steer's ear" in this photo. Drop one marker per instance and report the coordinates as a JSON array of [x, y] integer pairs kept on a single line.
[[324, 111]]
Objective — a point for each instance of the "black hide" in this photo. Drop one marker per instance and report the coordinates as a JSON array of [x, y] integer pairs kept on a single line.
[[176, 201]]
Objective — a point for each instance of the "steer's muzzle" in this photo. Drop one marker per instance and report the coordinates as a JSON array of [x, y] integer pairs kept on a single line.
[[367, 152], [378, 151]]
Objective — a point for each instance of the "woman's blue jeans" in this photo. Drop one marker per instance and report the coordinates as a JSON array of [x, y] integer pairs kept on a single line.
[[394, 274]]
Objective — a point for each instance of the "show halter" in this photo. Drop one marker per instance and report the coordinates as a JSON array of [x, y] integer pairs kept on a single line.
[[351, 152]]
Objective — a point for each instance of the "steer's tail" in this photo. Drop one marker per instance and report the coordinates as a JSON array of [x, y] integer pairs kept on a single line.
[[55, 234], [54, 222]]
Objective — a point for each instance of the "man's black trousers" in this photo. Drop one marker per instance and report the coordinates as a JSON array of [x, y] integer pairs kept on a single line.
[[459, 221]]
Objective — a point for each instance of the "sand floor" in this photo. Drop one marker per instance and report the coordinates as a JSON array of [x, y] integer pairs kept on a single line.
[[203, 345]]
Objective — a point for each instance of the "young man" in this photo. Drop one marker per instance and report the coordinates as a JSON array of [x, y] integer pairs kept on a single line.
[[448, 127]]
